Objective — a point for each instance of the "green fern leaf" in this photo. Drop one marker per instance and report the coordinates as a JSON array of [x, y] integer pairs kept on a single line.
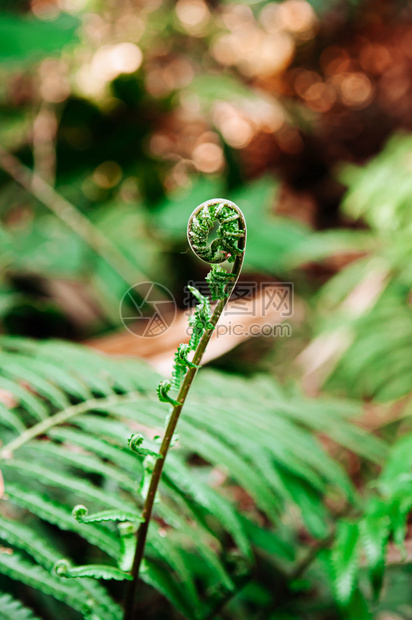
[[213, 450], [164, 582], [398, 463], [26, 539], [79, 460], [273, 455], [314, 514], [374, 532], [61, 515], [28, 470], [18, 368], [277, 543], [80, 363], [281, 437], [172, 555], [22, 536], [11, 609], [358, 608], [10, 419], [32, 403], [399, 510], [345, 556], [98, 571], [14, 566], [204, 502], [121, 456], [62, 377], [80, 514], [201, 542], [107, 608], [218, 452], [107, 428]]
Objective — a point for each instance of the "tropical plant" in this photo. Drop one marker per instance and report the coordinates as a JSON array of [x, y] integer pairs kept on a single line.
[[64, 445], [286, 492], [66, 428]]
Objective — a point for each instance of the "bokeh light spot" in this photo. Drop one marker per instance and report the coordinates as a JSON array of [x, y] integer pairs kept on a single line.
[[193, 15], [208, 157], [107, 174], [356, 90]]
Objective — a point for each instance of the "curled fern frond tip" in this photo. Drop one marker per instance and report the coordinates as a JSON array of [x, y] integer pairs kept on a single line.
[[229, 245], [61, 567], [135, 444], [162, 392], [231, 232], [127, 528], [79, 511], [135, 441]]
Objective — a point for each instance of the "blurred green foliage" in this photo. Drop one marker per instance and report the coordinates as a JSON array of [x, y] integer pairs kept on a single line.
[[24, 40], [135, 113]]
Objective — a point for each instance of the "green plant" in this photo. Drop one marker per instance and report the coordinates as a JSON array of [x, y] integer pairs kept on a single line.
[[64, 431], [228, 246], [352, 311], [69, 413]]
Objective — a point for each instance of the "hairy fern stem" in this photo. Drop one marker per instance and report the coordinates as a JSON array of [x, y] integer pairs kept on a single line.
[[228, 246]]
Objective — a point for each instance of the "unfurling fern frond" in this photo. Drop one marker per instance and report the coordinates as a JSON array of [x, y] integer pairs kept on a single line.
[[71, 593], [80, 513], [201, 320], [219, 279], [163, 390], [230, 230], [63, 568], [181, 364], [78, 454], [135, 444]]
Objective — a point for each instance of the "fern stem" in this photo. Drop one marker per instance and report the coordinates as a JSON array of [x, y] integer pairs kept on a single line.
[[181, 398]]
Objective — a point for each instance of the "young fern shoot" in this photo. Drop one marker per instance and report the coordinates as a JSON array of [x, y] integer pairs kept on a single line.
[[229, 246]]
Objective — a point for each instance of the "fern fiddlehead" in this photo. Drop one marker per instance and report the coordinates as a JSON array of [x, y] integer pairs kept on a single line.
[[229, 245], [218, 279], [163, 390], [225, 246], [135, 444], [181, 365], [200, 320], [81, 514]]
